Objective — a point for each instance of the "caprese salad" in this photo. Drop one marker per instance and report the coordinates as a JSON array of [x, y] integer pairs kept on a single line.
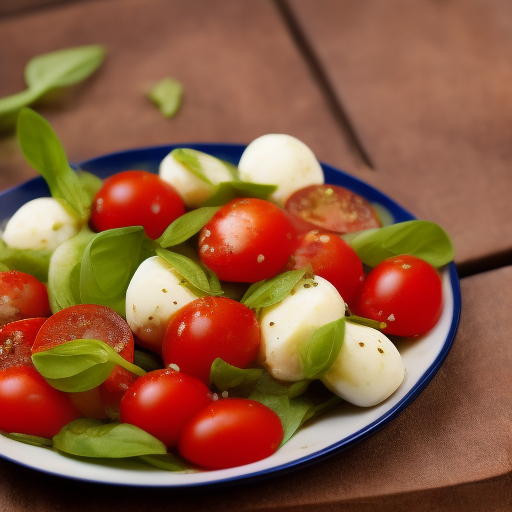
[[197, 318]]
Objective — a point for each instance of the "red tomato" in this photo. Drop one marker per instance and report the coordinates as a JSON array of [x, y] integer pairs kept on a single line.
[[91, 321], [29, 405], [230, 432], [136, 198], [162, 401], [333, 259], [405, 292], [22, 296], [331, 207], [16, 340], [207, 328], [247, 240]]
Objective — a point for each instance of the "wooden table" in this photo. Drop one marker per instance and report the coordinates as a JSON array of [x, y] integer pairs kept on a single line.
[[413, 97]]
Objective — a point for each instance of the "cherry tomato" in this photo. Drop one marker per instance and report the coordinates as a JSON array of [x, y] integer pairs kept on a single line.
[[405, 292], [207, 328], [29, 405], [91, 321], [22, 296], [247, 240], [136, 198], [230, 432], [16, 340], [333, 259], [332, 208], [162, 401]]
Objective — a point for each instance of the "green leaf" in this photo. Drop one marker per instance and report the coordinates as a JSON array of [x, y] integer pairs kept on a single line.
[[30, 261], [80, 365], [225, 376], [190, 159], [229, 190], [268, 292], [320, 352], [28, 439], [44, 152], [108, 264], [168, 462], [192, 272], [186, 226], [93, 438], [420, 238], [166, 94]]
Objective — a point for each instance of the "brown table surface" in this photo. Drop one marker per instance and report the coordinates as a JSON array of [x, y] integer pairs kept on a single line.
[[413, 97]]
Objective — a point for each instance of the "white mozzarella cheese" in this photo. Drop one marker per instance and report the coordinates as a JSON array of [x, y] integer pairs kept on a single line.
[[192, 189], [43, 223], [368, 368], [292, 322], [281, 160], [154, 294]]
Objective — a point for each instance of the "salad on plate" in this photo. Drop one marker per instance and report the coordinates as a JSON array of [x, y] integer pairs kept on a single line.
[[197, 318]]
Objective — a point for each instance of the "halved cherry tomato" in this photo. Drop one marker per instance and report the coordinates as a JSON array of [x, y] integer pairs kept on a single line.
[[16, 340], [230, 432], [406, 293], [91, 321], [162, 401], [247, 240], [332, 208], [331, 258], [22, 296], [207, 328], [29, 405], [136, 198]]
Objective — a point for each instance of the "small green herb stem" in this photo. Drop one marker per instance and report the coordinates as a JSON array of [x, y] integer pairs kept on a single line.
[[133, 368], [375, 324]]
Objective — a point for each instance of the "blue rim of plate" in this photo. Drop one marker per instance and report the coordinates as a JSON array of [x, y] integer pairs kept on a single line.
[[148, 159]]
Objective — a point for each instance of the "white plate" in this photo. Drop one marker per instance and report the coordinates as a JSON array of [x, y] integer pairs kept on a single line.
[[327, 435]]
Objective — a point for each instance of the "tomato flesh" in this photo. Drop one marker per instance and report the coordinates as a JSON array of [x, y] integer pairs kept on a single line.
[[136, 198], [247, 240], [230, 432], [29, 405], [406, 293], [162, 401], [22, 296]]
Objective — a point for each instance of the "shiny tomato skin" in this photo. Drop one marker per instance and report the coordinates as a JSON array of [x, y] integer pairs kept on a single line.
[[22, 296], [332, 208], [208, 328], [247, 240], [331, 258], [230, 432], [406, 293], [91, 321], [162, 401], [16, 340], [29, 405], [136, 198]]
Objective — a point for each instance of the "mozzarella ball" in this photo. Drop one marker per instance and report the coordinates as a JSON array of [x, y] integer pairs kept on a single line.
[[368, 368], [192, 189], [292, 322], [43, 223], [280, 160], [154, 294]]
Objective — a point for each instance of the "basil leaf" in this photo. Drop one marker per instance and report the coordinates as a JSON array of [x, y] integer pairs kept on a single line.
[[168, 462], [268, 292], [44, 152], [189, 158], [64, 271], [229, 190], [147, 360], [4, 268], [320, 352], [225, 376], [90, 183], [420, 238], [80, 365], [108, 264], [93, 438], [192, 272], [269, 386], [28, 439], [30, 261], [186, 226], [166, 94]]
